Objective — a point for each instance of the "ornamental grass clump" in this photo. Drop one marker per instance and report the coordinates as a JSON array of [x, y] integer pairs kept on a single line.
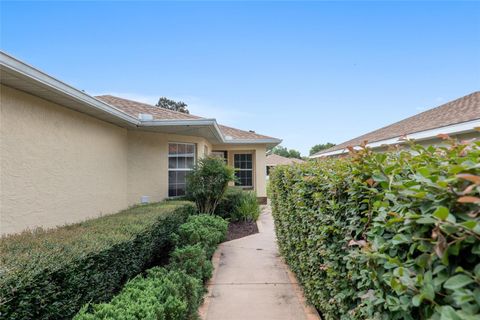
[[392, 235]]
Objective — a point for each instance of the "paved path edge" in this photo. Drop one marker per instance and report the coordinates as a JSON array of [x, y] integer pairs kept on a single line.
[[310, 312]]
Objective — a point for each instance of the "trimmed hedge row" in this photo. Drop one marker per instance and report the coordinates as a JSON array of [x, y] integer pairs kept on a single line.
[[52, 274], [174, 292], [391, 235]]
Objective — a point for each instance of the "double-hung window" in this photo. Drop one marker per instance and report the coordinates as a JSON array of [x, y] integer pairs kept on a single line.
[[243, 165], [181, 160]]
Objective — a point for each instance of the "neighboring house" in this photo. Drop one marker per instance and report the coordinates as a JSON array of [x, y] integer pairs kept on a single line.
[[274, 160], [66, 156], [458, 118]]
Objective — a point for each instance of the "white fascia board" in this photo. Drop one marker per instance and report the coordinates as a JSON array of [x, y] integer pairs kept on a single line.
[[30, 72], [458, 128]]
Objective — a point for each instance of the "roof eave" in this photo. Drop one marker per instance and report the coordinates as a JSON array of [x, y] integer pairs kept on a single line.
[[458, 128], [58, 90]]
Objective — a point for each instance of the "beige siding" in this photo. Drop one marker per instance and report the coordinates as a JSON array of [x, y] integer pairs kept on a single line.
[[148, 163], [57, 166], [259, 165]]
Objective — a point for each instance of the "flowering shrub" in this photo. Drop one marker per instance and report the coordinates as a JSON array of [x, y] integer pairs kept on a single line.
[[392, 235]]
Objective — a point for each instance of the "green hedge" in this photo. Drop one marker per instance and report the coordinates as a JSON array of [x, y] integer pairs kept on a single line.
[[171, 293], [52, 274], [391, 235], [203, 229]]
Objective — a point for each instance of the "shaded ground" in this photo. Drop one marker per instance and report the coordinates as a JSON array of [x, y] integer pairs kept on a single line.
[[238, 230]]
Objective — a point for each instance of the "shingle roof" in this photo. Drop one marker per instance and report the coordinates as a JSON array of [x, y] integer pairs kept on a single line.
[[464, 109], [275, 160], [134, 108]]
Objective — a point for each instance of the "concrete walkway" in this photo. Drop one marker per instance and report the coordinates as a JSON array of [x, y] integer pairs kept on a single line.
[[251, 281]]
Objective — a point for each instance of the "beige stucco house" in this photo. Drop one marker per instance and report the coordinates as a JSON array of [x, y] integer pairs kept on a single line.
[[458, 119], [66, 156]]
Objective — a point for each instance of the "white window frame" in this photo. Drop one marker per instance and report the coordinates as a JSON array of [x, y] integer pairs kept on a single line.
[[252, 186], [176, 156]]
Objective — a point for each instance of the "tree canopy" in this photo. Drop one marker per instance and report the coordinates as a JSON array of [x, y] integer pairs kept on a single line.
[[169, 104], [321, 146], [287, 153]]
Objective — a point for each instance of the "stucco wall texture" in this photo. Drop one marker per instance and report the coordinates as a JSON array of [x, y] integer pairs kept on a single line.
[[59, 166]]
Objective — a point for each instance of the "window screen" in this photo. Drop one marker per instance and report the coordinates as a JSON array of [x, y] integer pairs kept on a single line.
[[181, 159], [243, 169]]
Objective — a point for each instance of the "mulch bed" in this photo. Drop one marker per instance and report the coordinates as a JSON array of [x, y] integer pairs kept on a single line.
[[238, 230]]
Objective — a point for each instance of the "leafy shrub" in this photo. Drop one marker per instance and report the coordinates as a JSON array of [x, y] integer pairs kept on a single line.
[[247, 209], [171, 293], [161, 294], [203, 229], [192, 260], [207, 183], [51, 274], [230, 200], [391, 235]]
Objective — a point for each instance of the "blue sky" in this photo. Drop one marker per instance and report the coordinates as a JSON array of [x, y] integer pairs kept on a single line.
[[306, 72]]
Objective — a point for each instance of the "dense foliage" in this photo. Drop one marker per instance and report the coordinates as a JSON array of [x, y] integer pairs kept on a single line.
[[207, 183], [170, 104], [247, 209], [51, 274], [171, 293], [238, 205], [230, 200], [287, 153], [391, 235], [320, 147], [203, 229]]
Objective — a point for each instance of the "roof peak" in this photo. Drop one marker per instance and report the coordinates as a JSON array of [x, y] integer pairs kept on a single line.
[[460, 110], [145, 104]]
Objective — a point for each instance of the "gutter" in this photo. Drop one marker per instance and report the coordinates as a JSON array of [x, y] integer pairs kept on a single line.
[[458, 128], [21, 70]]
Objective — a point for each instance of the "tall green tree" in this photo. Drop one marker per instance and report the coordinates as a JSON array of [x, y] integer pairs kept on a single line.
[[287, 153], [319, 147], [169, 104]]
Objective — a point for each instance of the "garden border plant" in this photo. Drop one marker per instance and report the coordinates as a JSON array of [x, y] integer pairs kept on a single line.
[[392, 235], [176, 291], [51, 274]]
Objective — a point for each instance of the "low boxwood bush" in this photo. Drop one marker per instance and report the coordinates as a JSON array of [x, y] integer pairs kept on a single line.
[[392, 235], [193, 260], [203, 229], [171, 293], [159, 295], [51, 274]]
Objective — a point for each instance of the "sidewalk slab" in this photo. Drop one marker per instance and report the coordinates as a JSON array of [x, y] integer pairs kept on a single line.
[[251, 281]]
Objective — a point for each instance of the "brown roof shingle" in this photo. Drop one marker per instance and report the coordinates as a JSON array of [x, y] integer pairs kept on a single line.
[[134, 108], [464, 109], [276, 160]]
